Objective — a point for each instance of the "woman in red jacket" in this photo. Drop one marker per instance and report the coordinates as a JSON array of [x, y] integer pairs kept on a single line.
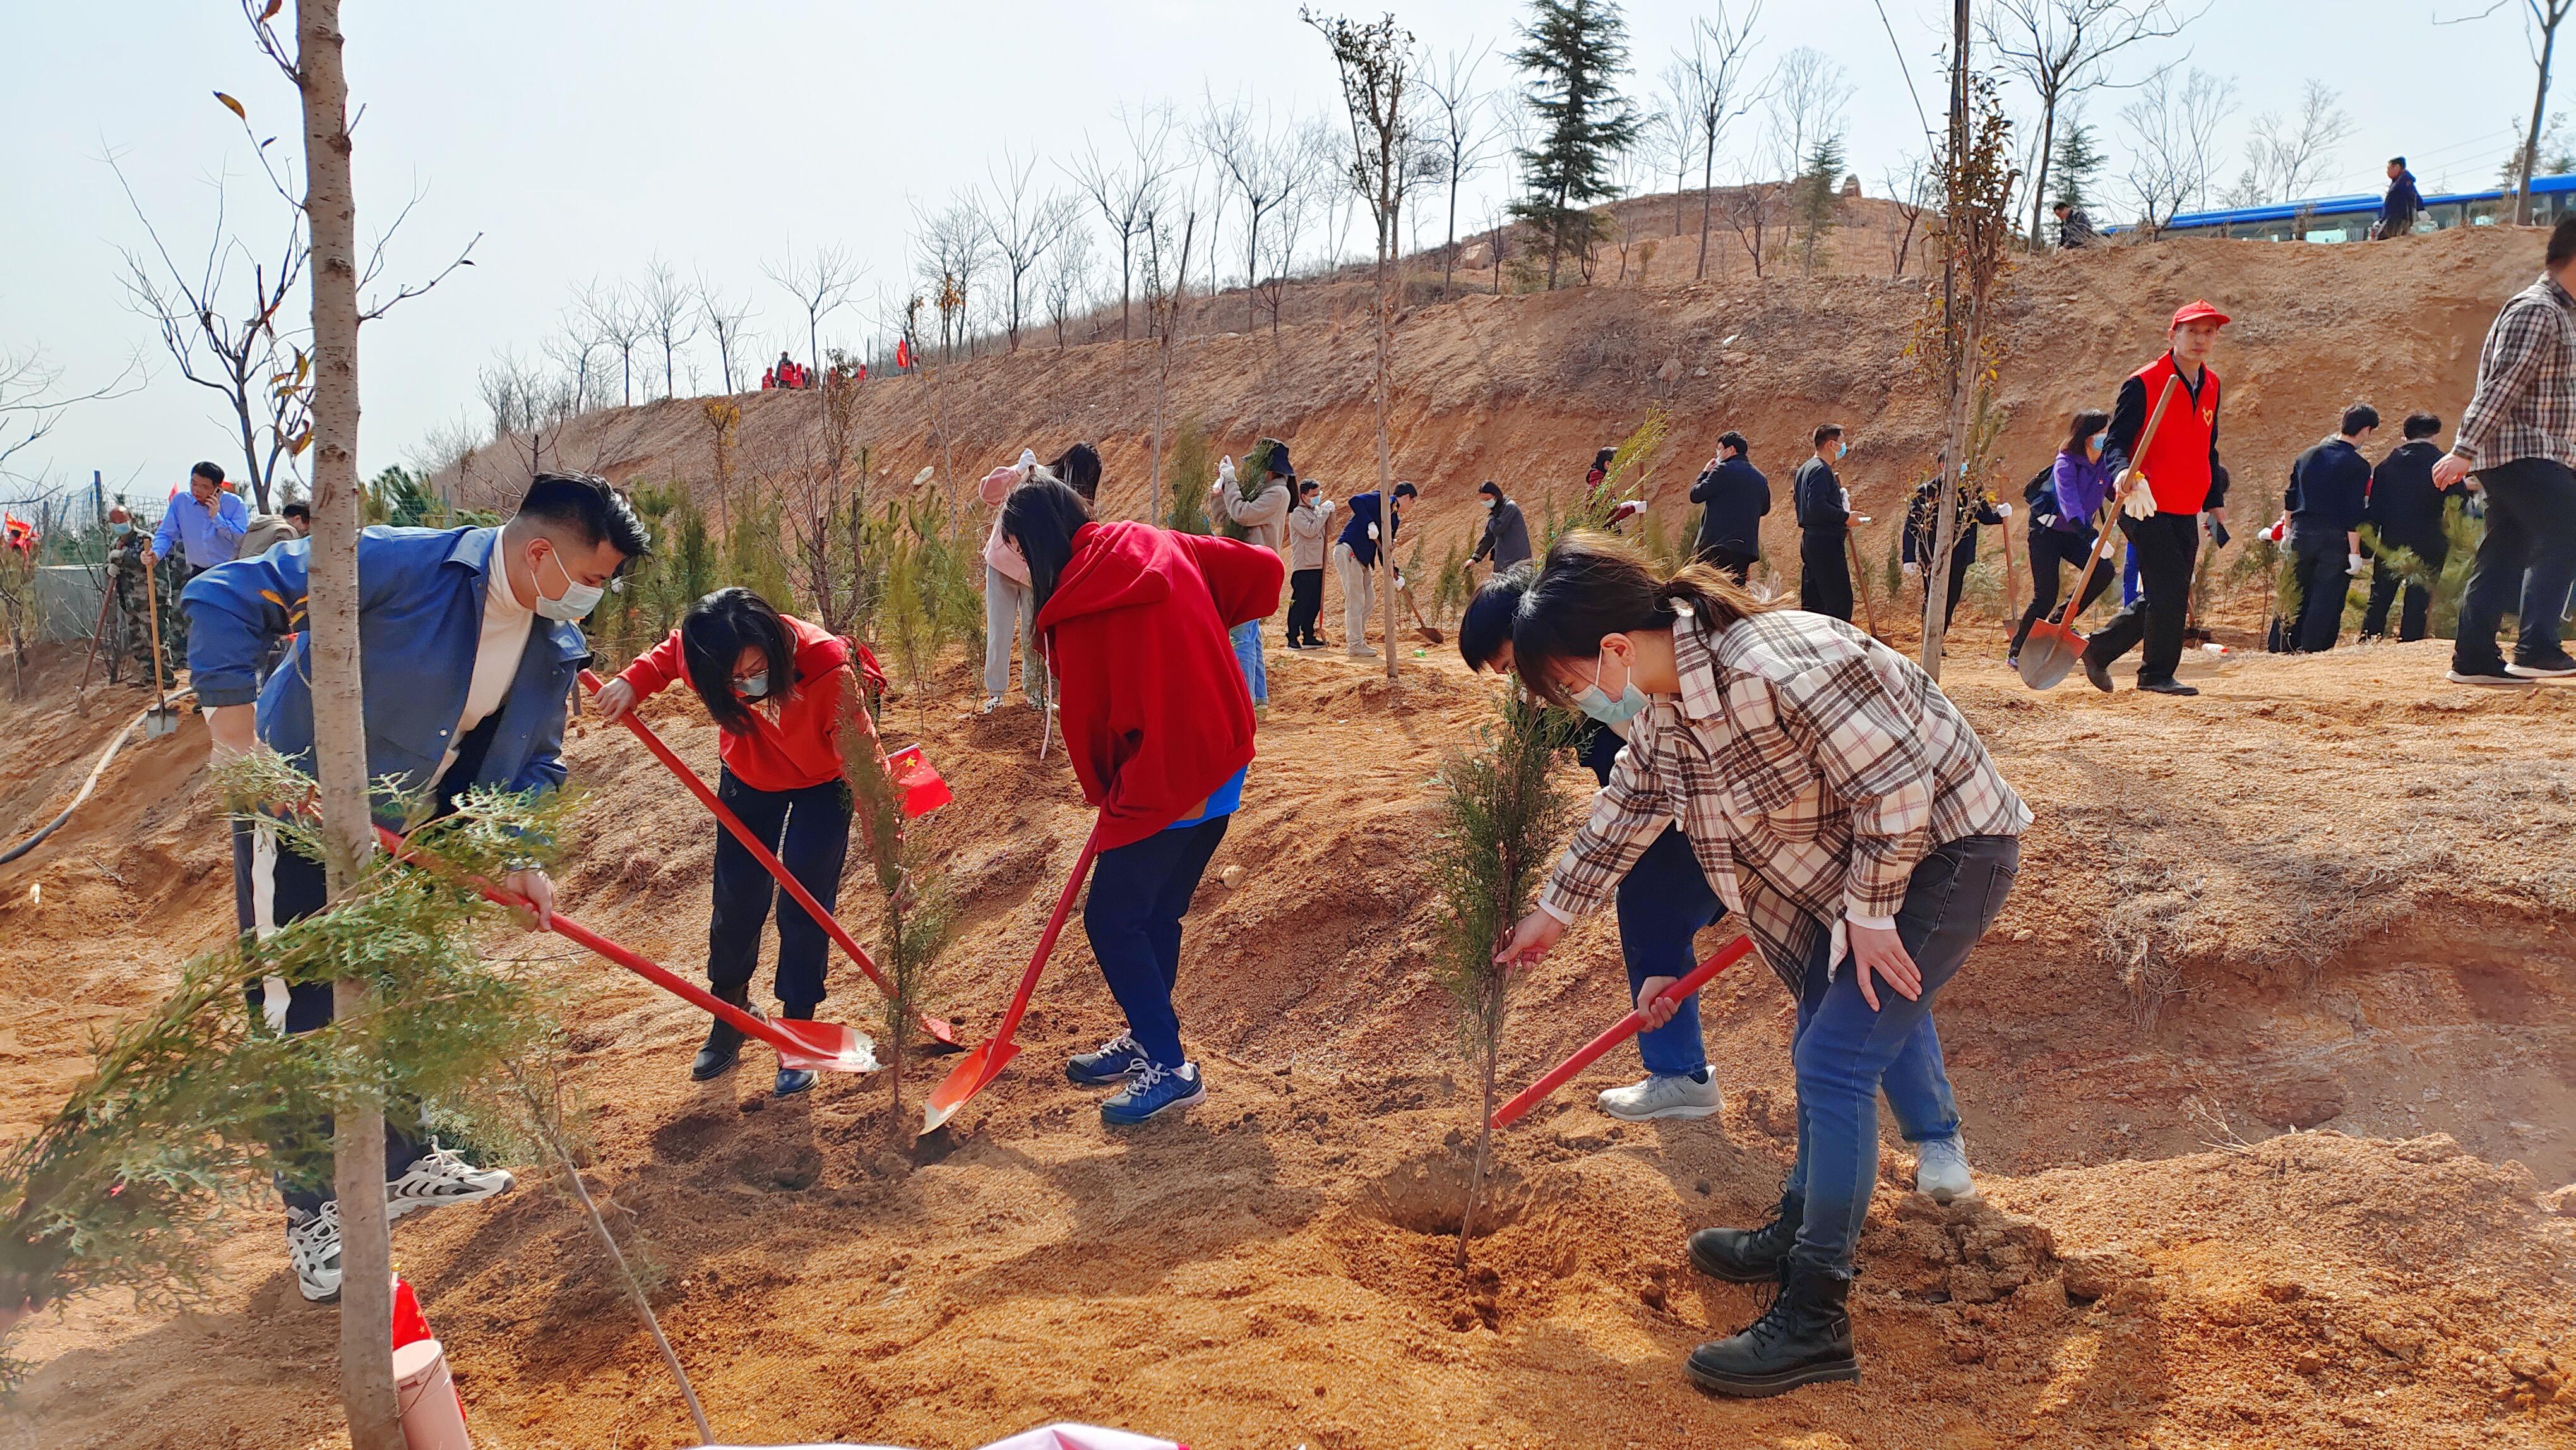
[[1158, 725], [777, 688]]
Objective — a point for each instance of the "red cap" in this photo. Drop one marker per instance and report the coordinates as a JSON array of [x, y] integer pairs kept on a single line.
[[2199, 311]]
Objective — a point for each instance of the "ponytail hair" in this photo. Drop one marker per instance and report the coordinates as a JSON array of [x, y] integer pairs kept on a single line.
[[1595, 584]]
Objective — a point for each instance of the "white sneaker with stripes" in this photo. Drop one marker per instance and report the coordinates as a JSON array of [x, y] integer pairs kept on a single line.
[[439, 1178]]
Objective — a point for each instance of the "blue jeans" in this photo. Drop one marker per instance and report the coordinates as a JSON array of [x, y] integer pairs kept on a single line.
[[1247, 653], [1663, 902], [1139, 892], [1846, 1054]]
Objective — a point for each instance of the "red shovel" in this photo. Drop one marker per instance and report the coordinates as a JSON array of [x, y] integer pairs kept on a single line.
[[2054, 646], [768, 859], [985, 1063], [824, 1046], [1627, 1027]]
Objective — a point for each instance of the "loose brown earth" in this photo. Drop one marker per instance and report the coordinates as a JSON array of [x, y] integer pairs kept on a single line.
[[2269, 1066]]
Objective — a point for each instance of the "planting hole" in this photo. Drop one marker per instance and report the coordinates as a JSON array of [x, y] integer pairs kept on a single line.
[[1425, 1195]]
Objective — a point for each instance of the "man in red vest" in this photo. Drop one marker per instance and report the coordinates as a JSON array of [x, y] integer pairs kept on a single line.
[[2178, 482]]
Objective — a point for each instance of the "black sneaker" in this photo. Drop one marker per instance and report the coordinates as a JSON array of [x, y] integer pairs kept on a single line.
[[1804, 1338], [2494, 674], [2556, 665], [2099, 674], [724, 1040], [2167, 687]]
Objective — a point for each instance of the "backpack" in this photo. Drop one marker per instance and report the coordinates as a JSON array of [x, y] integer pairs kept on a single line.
[[2041, 494]]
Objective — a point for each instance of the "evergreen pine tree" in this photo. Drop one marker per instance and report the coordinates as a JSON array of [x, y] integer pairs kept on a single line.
[[1819, 195], [1573, 51], [2078, 158]]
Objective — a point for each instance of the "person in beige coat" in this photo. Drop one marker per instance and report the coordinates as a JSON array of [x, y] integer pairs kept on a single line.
[[1264, 521], [1310, 524]]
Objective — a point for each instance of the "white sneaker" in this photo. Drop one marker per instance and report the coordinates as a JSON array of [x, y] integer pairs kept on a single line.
[[1663, 1096], [313, 1247], [1361, 653], [436, 1180], [1941, 1169], [991, 703]]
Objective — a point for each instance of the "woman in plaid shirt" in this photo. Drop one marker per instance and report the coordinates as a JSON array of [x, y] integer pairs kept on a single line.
[[1845, 812]]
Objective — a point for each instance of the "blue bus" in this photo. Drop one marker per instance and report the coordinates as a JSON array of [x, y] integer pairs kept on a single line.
[[2349, 218]]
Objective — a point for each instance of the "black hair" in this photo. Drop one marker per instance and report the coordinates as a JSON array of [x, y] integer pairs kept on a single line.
[[1489, 486], [1732, 439], [2081, 428], [1078, 468], [1487, 624], [2562, 241], [1406, 490], [1827, 432], [298, 510], [1307, 485], [1042, 516], [2358, 417], [2422, 425], [2398, 161], [589, 506], [713, 635], [1594, 584], [1601, 460], [2061, 204], [213, 472]]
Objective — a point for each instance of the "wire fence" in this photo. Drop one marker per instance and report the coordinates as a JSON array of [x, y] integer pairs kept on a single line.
[[71, 525]]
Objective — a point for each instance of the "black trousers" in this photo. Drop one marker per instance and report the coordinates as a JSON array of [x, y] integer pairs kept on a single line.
[[1305, 605], [2415, 618], [2167, 545], [1960, 559], [1824, 573], [808, 830], [2321, 569], [2524, 565], [2049, 549], [1736, 563]]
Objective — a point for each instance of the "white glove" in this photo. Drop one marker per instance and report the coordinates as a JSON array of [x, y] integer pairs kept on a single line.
[[2140, 503], [1327, 505], [2356, 563], [1913, 570], [1225, 471], [2003, 510], [1372, 531]]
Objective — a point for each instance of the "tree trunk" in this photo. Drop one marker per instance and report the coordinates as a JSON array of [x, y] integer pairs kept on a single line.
[[2039, 179], [1385, 453], [1492, 1025], [1707, 199], [1960, 335], [2539, 100], [1449, 252], [339, 723]]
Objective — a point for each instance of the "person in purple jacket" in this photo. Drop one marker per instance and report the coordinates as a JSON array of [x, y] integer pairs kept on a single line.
[[2061, 522]]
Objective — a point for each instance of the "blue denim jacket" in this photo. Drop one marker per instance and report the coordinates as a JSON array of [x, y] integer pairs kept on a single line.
[[420, 620]]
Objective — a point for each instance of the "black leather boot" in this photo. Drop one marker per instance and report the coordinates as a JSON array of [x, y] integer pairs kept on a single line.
[[1754, 1257], [724, 1040], [794, 1080], [1804, 1338]]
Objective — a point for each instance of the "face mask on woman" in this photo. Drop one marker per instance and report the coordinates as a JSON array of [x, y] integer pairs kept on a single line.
[[2097, 442], [754, 687], [1596, 702]]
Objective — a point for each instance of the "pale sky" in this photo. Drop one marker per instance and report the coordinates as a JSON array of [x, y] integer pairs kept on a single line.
[[583, 139]]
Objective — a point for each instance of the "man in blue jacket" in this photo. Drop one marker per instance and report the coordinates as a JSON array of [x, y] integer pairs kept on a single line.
[[2397, 209], [1355, 560], [1733, 497], [468, 648], [2329, 490]]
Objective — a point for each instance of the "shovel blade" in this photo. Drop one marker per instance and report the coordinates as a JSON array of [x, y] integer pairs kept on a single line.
[[970, 1076], [159, 722], [823, 1046], [1430, 635], [2049, 653]]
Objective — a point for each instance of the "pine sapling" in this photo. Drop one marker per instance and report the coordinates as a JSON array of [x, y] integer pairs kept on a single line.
[[1502, 811], [919, 912]]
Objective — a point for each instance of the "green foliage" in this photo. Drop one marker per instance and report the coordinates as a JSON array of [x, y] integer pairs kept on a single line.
[[1455, 586], [1191, 467], [1572, 52], [2079, 159], [1819, 196], [192, 1104], [659, 588], [1659, 543], [2464, 533], [1892, 568], [756, 552], [1629, 469], [399, 497], [920, 911], [932, 586]]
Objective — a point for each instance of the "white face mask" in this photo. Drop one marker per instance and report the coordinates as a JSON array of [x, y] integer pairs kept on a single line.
[[577, 600]]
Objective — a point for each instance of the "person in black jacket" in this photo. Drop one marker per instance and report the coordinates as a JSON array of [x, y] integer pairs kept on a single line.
[[2406, 508], [2398, 208], [1506, 538], [1824, 523], [1921, 538], [2329, 488], [1733, 497]]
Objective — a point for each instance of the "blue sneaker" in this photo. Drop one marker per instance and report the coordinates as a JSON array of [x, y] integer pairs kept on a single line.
[[1116, 1058], [1153, 1089]]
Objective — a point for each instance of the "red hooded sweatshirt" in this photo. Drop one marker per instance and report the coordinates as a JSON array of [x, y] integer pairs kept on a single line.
[[796, 747], [1154, 708]]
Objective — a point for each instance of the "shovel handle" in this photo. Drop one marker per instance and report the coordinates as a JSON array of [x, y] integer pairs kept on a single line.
[[1625, 1028], [2128, 476], [1046, 940]]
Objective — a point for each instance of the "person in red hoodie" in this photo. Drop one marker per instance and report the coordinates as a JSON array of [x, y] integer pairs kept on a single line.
[[777, 688], [1158, 724]]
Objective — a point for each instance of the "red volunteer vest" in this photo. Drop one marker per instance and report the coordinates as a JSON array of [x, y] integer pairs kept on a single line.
[[2177, 462]]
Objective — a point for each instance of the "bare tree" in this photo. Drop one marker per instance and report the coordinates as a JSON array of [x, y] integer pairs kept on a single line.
[[574, 348], [727, 321], [821, 284], [663, 306], [1808, 97], [1068, 282], [2064, 48], [2540, 22], [1124, 195], [1466, 131], [2284, 157], [1909, 191], [1261, 164], [1022, 227], [1288, 224], [32, 400], [2173, 135], [1717, 95], [1672, 135], [951, 259], [619, 324]]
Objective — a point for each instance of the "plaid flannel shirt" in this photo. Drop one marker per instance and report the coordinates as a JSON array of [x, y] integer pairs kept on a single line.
[[1811, 767], [2525, 405]]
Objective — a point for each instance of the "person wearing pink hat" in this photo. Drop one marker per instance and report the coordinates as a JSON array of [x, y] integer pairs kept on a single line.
[[2179, 481]]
